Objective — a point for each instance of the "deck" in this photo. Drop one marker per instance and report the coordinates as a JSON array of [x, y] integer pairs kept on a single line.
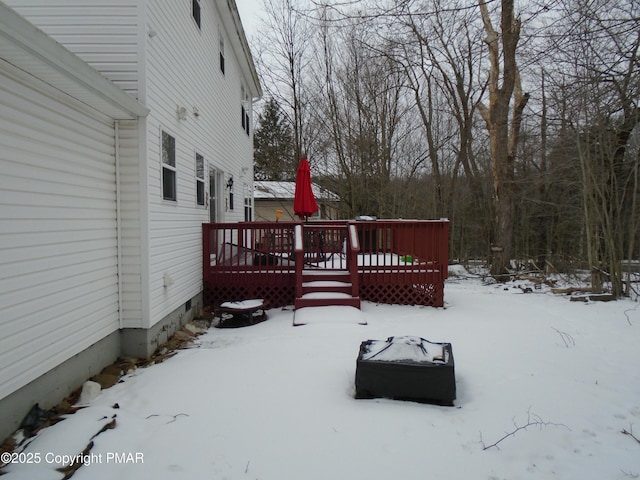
[[326, 263]]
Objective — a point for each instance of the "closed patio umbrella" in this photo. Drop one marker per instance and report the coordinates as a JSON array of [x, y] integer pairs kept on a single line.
[[304, 202]]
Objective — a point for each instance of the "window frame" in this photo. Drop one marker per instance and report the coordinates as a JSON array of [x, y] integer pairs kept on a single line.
[[168, 167], [200, 180], [221, 51], [196, 12], [248, 203], [244, 110]]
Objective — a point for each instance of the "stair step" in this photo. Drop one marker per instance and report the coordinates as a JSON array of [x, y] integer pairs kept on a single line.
[[325, 276], [326, 283], [331, 295], [323, 301], [326, 286], [321, 288]]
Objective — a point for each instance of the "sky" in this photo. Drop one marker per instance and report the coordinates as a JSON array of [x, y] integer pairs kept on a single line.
[[249, 12]]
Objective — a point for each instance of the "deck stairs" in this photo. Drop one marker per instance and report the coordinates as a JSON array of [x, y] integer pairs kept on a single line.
[[326, 287], [337, 283]]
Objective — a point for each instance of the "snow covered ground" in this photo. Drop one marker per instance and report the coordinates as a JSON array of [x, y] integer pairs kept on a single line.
[[276, 402]]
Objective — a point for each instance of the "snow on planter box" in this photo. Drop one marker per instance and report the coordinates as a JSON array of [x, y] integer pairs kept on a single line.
[[406, 368]]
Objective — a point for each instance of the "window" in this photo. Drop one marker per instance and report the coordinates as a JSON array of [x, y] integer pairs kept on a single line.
[[199, 179], [248, 204], [195, 11], [168, 167], [221, 52], [244, 112]]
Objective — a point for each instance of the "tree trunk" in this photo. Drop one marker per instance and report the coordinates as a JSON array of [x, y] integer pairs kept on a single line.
[[503, 128]]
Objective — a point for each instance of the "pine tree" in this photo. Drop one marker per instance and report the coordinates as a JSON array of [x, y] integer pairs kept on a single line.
[[273, 145]]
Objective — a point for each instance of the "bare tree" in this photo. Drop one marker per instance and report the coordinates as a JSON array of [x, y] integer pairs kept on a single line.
[[440, 55], [602, 60], [365, 114], [283, 60], [503, 124]]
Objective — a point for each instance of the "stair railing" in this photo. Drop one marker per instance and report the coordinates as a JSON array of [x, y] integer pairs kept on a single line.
[[353, 249], [299, 257]]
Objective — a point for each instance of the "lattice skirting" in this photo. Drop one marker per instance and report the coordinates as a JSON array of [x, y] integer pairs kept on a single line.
[[273, 295], [428, 294]]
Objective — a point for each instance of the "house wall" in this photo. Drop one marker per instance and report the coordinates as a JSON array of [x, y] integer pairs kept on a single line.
[[103, 33], [58, 261], [82, 220], [155, 51], [132, 223], [265, 210], [183, 70], [109, 35]]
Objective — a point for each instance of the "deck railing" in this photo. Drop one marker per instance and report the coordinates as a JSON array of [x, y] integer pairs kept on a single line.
[[403, 261], [398, 261]]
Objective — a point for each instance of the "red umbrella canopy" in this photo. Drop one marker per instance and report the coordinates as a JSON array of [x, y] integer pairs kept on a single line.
[[304, 203]]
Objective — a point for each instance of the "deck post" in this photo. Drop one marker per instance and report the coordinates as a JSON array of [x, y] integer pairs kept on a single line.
[[352, 259], [299, 256]]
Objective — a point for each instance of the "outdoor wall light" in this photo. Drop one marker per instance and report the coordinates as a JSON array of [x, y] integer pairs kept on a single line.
[[230, 188], [182, 113], [167, 280]]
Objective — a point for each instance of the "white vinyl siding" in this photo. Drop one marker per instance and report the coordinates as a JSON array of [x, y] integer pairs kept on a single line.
[[183, 71], [58, 261], [131, 222], [154, 51], [105, 34]]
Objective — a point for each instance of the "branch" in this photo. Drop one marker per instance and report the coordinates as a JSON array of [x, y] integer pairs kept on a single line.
[[536, 421], [566, 338], [630, 310], [175, 417], [491, 40], [630, 433]]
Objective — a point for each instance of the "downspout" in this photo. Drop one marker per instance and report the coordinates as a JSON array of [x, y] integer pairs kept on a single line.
[[118, 225]]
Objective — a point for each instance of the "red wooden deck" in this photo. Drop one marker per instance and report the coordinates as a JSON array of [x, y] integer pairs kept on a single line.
[[326, 263]]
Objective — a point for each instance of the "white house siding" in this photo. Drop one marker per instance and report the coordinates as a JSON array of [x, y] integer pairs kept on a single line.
[[153, 50], [105, 33], [183, 71], [58, 261], [131, 224]]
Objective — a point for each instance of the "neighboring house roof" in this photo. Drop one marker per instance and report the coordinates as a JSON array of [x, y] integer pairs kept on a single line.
[[31, 50], [286, 191]]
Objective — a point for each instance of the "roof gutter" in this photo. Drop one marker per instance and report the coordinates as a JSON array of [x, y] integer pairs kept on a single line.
[[244, 45]]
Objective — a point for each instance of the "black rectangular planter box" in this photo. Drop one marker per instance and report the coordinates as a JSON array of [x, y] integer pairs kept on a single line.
[[406, 368]]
